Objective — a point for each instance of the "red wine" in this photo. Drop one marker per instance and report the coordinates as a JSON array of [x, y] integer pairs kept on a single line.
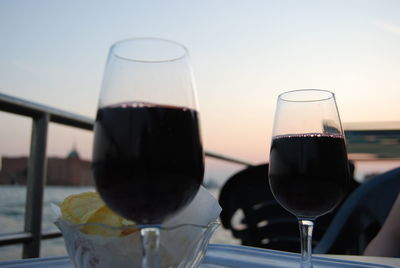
[[308, 173], [148, 160]]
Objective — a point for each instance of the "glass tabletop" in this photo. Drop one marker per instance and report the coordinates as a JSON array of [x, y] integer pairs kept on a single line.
[[234, 256]]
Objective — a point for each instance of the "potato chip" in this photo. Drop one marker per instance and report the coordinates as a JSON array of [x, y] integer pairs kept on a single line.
[[88, 207], [79, 208]]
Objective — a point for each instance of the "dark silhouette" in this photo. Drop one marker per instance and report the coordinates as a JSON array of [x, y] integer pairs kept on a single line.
[[362, 215], [250, 211], [387, 242]]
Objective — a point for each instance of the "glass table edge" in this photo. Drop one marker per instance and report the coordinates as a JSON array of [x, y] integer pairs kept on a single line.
[[225, 255]]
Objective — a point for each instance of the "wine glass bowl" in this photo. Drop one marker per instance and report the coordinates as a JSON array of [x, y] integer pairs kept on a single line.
[[151, 160], [308, 170], [311, 178]]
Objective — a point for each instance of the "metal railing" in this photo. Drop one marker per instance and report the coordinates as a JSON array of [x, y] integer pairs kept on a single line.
[[36, 178]]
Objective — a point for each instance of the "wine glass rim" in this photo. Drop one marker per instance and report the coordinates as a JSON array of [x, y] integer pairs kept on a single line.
[[183, 54], [322, 95]]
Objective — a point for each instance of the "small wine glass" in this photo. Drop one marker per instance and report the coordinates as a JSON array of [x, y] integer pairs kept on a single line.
[[148, 160], [308, 172]]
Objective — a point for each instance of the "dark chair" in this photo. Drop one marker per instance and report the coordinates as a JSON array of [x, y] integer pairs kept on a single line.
[[251, 213], [246, 201], [361, 216]]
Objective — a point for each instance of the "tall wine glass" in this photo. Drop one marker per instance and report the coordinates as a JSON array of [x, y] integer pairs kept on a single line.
[[308, 172], [148, 161]]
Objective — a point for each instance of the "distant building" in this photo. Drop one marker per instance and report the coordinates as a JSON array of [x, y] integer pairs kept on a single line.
[[373, 140], [71, 170]]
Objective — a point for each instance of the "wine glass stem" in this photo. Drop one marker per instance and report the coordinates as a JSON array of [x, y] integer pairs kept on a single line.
[[150, 242], [306, 229]]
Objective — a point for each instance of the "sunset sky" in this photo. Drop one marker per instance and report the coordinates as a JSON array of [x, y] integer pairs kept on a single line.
[[244, 53]]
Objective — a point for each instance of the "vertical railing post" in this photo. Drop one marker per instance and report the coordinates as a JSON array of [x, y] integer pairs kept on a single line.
[[36, 181]]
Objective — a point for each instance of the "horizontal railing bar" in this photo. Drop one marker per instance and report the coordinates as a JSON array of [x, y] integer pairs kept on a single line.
[[14, 238], [20, 237], [227, 158], [22, 107], [51, 234]]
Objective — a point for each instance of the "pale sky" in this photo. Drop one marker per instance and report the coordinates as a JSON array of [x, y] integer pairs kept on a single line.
[[244, 53]]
